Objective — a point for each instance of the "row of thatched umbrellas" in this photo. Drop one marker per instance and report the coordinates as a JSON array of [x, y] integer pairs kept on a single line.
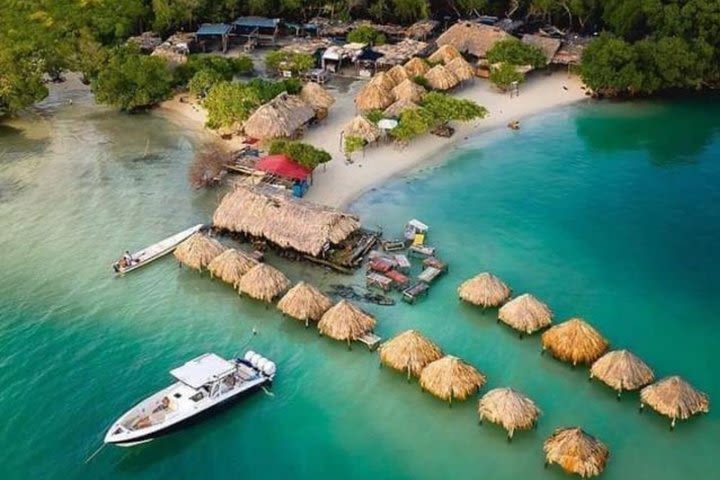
[[575, 341]]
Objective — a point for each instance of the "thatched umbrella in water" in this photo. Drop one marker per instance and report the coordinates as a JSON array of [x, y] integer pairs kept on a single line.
[[383, 80], [397, 108], [263, 282], [451, 377], [461, 69], [230, 266], [408, 90], [363, 128], [576, 452], [373, 96], [440, 78], [509, 408], [574, 341], [621, 370], [409, 352], [445, 54], [398, 74], [304, 302], [416, 66], [198, 251], [525, 314], [345, 322], [484, 290], [674, 398]]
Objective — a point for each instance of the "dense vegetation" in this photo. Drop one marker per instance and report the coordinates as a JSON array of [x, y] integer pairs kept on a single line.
[[293, 62], [366, 34], [302, 153], [515, 52]]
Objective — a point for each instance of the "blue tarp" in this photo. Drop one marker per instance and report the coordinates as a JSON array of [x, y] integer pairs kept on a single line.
[[256, 22], [213, 29]]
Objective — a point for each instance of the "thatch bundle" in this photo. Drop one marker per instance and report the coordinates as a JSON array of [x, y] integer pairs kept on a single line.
[[444, 54], [282, 116], [485, 290], [621, 370], [398, 74], [416, 66], [383, 80], [526, 314], [451, 378], [394, 110], [576, 452], [509, 408], [409, 352], [345, 322], [363, 128], [263, 282], [230, 266], [473, 38], [574, 341], [373, 97], [316, 96], [440, 78], [408, 90], [674, 398], [285, 221], [460, 68], [198, 251], [304, 302]]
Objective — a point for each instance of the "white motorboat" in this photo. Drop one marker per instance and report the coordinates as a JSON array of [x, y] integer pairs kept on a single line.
[[204, 384], [155, 251]]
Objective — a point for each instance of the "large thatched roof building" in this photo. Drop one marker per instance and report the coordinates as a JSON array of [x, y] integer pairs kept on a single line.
[[674, 398], [409, 352], [576, 452], [440, 78], [283, 220], [509, 408], [198, 251], [304, 302], [374, 96], [283, 116], [230, 266], [345, 322], [263, 282], [621, 370], [451, 378], [526, 314], [408, 90], [574, 341], [484, 290], [363, 128], [472, 38], [548, 45]]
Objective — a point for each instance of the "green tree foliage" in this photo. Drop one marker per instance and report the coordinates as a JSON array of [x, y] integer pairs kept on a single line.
[[21, 82], [443, 108], [422, 81], [228, 104], [352, 144], [226, 67], [266, 90], [295, 62], [366, 34], [412, 123], [504, 75], [174, 13], [374, 116], [515, 52], [302, 153], [201, 83], [409, 11]]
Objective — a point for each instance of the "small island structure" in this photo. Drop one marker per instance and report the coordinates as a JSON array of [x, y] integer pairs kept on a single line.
[[348, 323], [263, 282], [304, 302], [409, 352], [576, 452], [198, 251], [574, 341], [451, 378], [675, 398], [509, 408], [622, 371], [525, 314], [282, 117], [484, 290], [230, 266]]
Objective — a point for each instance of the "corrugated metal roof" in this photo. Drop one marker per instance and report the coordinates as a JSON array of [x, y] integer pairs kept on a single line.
[[259, 22], [214, 29]]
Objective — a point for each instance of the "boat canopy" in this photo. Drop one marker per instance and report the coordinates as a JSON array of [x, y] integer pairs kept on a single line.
[[418, 225], [202, 370]]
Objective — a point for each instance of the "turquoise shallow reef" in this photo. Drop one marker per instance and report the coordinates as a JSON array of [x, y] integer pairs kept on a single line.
[[609, 212]]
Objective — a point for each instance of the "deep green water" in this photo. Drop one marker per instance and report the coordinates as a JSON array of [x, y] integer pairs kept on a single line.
[[605, 211]]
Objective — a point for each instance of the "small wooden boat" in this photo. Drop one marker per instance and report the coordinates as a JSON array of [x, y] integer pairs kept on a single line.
[[378, 280], [153, 252], [435, 263], [403, 264], [412, 293], [398, 278], [430, 274], [421, 250], [393, 245]]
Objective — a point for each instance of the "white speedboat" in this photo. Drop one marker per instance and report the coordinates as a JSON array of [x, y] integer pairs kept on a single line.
[[204, 384], [155, 251]]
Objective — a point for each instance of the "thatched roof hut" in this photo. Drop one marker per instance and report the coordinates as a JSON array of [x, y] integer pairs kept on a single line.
[[576, 452], [674, 398], [230, 266], [408, 90], [421, 29], [440, 78], [526, 314], [345, 322], [621, 370], [399, 53], [574, 341], [263, 282], [485, 290], [548, 45], [282, 116], [383, 80], [416, 66], [373, 97], [198, 251], [409, 352], [283, 220], [316, 96], [451, 378], [444, 54], [460, 68], [394, 110], [397, 74], [472, 38], [509, 408], [304, 302], [363, 128]]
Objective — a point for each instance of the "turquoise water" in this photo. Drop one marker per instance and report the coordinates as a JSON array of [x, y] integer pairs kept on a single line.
[[604, 211]]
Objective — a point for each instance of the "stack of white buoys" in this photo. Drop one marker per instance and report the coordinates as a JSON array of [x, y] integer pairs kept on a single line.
[[260, 363]]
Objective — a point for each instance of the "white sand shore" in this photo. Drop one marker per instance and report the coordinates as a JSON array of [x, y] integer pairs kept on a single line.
[[340, 183]]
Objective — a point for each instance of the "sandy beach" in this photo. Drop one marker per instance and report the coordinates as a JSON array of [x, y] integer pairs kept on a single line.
[[339, 183]]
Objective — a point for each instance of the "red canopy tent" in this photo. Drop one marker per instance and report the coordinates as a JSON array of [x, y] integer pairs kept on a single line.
[[283, 166]]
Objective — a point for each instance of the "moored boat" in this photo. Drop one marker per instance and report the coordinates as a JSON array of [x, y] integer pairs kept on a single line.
[[131, 262]]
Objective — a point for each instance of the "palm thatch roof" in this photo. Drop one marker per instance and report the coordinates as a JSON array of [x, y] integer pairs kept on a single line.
[[621, 370], [460, 68], [444, 54], [451, 378], [345, 322], [230, 266], [674, 398], [473, 38], [263, 282], [394, 110], [421, 29], [373, 97], [397, 74], [198, 251], [408, 90], [526, 314], [316, 96], [383, 80], [409, 352], [283, 220], [304, 302], [416, 66], [440, 78], [363, 128], [576, 452], [548, 45], [399, 53], [509, 408], [485, 290], [282, 116], [574, 341]]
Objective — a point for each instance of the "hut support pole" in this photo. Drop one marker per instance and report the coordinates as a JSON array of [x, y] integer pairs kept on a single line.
[[619, 395], [672, 424], [642, 407]]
